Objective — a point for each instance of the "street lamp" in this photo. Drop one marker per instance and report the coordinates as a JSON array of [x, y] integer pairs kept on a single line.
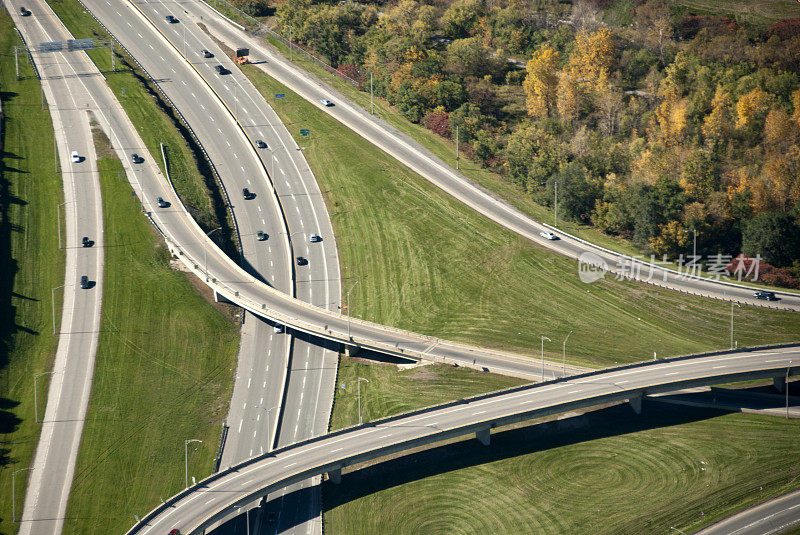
[[58, 219], [186, 456], [786, 386], [269, 442], [205, 252], [359, 398], [564, 355], [348, 310], [53, 294], [543, 339], [35, 399], [740, 306], [14, 493]]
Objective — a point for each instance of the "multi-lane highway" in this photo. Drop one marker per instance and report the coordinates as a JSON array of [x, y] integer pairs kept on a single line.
[[180, 55], [200, 505], [71, 378], [410, 153]]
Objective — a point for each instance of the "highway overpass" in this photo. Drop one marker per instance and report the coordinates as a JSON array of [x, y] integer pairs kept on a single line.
[[200, 505]]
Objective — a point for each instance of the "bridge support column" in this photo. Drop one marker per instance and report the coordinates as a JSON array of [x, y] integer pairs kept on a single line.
[[636, 404], [335, 475], [350, 351], [484, 436], [779, 383], [219, 298]]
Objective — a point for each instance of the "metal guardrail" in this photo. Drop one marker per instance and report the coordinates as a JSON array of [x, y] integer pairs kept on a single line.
[[163, 95]]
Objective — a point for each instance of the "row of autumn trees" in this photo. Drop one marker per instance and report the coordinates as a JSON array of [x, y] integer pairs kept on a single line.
[[659, 125]]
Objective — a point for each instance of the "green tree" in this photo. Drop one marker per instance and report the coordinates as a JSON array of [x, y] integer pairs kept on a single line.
[[461, 17], [773, 235]]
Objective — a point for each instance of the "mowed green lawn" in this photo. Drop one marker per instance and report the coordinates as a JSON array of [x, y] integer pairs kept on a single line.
[[608, 472], [164, 374], [31, 264], [428, 263]]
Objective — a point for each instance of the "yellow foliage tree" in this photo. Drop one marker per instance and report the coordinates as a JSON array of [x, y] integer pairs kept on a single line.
[[751, 105], [716, 125], [670, 241], [671, 117], [541, 83], [779, 130], [796, 105], [592, 57], [568, 98]]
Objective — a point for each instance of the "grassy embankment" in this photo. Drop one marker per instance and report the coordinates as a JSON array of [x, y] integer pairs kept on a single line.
[[609, 472], [163, 375], [426, 262], [31, 264]]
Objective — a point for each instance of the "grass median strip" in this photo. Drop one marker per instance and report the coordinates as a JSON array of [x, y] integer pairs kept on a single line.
[[31, 264], [428, 263], [163, 375], [607, 471]]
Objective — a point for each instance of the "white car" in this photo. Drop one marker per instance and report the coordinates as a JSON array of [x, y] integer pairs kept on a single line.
[[315, 238], [326, 102], [548, 235], [75, 157], [278, 329]]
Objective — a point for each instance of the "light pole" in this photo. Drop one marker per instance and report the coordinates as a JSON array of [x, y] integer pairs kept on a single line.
[[58, 219], [35, 399], [564, 355], [738, 305], [205, 252], [14, 493], [186, 456], [348, 310], [359, 398], [543, 339], [269, 442], [786, 386], [53, 294]]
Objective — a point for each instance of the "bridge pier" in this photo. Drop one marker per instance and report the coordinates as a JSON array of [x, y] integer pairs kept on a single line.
[[484, 435], [779, 382], [636, 404], [335, 475], [350, 350]]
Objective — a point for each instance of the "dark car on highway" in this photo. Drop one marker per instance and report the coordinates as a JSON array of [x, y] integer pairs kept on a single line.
[[84, 282], [261, 145], [24, 12], [221, 69], [86, 241], [171, 19], [301, 261], [162, 203], [247, 194], [206, 54], [767, 296], [262, 236]]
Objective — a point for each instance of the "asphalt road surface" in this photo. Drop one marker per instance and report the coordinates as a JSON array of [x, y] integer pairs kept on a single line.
[[190, 511], [71, 380]]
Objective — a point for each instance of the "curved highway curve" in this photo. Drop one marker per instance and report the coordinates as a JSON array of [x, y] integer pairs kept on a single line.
[[774, 516], [197, 507], [422, 161]]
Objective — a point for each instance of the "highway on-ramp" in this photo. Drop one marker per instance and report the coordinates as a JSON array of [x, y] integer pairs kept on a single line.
[[419, 159], [200, 505]]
